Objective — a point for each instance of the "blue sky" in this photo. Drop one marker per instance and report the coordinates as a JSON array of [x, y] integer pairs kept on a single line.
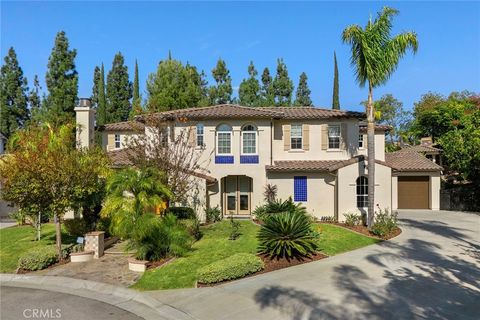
[[304, 34]]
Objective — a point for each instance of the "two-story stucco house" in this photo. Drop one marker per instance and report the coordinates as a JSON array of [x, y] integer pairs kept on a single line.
[[316, 156]]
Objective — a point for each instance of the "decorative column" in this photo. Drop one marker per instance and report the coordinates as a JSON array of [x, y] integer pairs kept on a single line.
[[94, 241]]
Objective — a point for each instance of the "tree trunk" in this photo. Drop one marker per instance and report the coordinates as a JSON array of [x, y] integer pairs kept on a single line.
[[371, 157], [39, 226], [58, 231]]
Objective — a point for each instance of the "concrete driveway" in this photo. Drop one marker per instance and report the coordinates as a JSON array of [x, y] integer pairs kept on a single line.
[[432, 270]]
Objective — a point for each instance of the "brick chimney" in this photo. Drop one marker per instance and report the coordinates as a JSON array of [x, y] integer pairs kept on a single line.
[[85, 118]]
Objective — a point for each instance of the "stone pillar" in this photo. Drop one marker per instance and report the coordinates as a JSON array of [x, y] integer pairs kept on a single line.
[[94, 241]]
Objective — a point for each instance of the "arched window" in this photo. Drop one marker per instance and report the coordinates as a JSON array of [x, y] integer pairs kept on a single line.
[[249, 139], [362, 192], [224, 139]]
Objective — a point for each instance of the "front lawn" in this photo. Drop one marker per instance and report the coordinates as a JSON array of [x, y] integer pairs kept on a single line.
[[214, 246], [335, 239], [14, 241]]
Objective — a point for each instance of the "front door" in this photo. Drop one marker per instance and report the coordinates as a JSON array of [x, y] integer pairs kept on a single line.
[[237, 195]]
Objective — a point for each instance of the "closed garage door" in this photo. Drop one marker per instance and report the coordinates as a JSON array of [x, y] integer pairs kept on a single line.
[[413, 192]]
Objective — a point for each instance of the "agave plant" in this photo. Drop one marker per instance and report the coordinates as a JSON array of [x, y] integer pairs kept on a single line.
[[287, 235], [278, 206]]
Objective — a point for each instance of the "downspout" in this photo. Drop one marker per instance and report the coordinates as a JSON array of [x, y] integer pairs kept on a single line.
[[271, 141], [335, 195]]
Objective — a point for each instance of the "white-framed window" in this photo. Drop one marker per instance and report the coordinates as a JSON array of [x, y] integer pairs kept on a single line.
[[360, 141], [200, 135], [362, 192], [224, 139], [296, 137], [117, 141], [333, 137], [249, 139]]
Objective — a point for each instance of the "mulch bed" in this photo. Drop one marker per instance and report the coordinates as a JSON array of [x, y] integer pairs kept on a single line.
[[271, 265], [364, 230], [159, 263]]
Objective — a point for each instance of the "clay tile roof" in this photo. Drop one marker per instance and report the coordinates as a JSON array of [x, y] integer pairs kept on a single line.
[[420, 148], [316, 165], [124, 126], [122, 158], [410, 161], [229, 111], [378, 127], [315, 113]]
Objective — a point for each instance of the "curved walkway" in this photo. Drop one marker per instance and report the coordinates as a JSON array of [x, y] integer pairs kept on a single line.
[[432, 270]]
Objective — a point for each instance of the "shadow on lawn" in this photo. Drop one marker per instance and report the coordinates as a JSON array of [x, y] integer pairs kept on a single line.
[[431, 285]]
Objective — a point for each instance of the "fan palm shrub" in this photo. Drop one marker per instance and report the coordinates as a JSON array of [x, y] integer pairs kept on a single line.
[[278, 206], [132, 196], [287, 235]]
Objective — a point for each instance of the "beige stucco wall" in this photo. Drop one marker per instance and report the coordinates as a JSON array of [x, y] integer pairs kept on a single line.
[[320, 190], [108, 139], [347, 199], [379, 145], [196, 197], [85, 118]]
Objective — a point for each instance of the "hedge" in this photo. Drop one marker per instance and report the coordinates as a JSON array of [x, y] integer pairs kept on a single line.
[[234, 267], [182, 212], [41, 258]]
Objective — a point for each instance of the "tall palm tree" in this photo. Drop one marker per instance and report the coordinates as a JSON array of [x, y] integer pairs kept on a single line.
[[375, 56]]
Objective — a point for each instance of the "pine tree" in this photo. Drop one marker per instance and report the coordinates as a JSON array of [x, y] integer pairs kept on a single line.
[[119, 91], [175, 86], [34, 99], [335, 100], [137, 99], [303, 92], [222, 92], [282, 85], [96, 82], [102, 99], [266, 93], [62, 82], [249, 91], [13, 95]]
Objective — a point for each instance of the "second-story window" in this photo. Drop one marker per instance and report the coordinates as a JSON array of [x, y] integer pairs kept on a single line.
[[224, 139], [249, 139], [360, 141], [296, 136], [334, 137], [117, 141], [200, 136]]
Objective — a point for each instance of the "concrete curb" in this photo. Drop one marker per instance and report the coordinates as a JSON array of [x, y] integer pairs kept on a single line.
[[130, 300]]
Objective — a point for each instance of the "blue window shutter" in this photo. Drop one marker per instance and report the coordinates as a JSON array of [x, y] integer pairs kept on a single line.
[[300, 188]]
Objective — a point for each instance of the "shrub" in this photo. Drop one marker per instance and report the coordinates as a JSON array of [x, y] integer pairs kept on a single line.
[[235, 227], [41, 258], [237, 266], [19, 216], [287, 235], [77, 227], [384, 223], [352, 219], [193, 227], [328, 219], [278, 206], [103, 224], [213, 214], [182, 212]]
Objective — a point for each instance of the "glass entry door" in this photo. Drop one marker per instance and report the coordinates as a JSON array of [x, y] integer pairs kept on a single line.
[[237, 195]]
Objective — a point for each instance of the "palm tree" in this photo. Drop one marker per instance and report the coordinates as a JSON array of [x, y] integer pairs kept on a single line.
[[375, 56]]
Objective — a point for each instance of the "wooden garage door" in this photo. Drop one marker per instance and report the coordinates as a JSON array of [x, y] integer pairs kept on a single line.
[[413, 192]]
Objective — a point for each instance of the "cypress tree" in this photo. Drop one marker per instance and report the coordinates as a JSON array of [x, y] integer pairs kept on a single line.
[[102, 99], [282, 85], [249, 91], [119, 91], [62, 82], [266, 93], [303, 92], [96, 81], [13, 95], [137, 100], [335, 100], [222, 92]]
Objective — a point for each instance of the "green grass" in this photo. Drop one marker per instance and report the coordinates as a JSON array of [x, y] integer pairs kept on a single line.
[[214, 246], [335, 240], [14, 241]]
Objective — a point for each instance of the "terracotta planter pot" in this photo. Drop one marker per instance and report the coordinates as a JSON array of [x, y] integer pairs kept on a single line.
[[137, 265], [84, 256]]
